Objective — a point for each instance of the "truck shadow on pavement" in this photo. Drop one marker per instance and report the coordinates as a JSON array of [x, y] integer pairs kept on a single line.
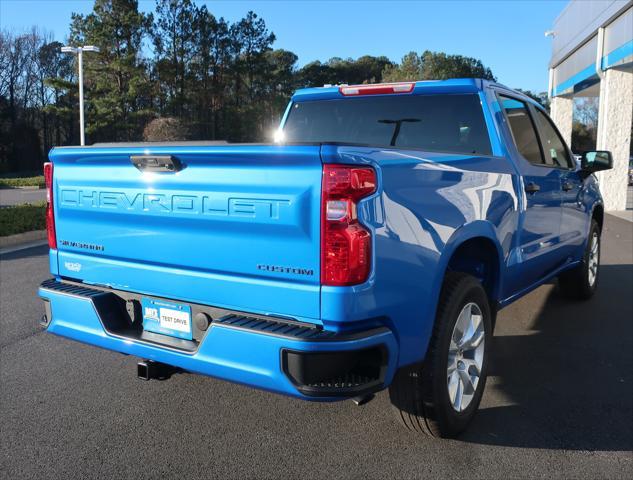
[[568, 384], [25, 253]]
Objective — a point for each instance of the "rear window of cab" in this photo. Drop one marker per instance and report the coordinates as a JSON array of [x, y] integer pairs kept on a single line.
[[440, 123]]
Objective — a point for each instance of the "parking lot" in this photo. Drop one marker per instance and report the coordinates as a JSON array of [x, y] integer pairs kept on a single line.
[[559, 402]]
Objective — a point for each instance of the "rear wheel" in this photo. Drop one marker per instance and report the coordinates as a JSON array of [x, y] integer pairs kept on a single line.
[[440, 397], [580, 283]]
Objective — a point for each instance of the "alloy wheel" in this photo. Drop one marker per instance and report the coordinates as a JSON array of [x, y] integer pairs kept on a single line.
[[465, 357], [594, 258]]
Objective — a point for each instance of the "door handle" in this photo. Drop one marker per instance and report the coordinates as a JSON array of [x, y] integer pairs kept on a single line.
[[532, 187], [567, 186]]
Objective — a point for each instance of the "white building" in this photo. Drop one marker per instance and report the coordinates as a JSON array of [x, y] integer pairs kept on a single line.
[[592, 56]]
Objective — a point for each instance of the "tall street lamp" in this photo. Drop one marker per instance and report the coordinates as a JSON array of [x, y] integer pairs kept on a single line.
[[79, 51]]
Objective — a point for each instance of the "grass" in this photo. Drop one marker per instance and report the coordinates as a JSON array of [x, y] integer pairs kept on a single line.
[[22, 218]]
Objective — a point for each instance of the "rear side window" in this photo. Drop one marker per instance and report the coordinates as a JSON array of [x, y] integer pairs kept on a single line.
[[443, 123], [522, 129], [554, 149]]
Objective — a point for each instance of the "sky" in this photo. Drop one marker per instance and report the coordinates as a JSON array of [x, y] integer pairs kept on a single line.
[[506, 35]]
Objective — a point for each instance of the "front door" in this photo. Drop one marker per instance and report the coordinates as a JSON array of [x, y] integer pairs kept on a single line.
[[574, 220]]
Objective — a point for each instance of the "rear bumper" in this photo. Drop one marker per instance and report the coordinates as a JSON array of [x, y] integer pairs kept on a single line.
[[281, 357]]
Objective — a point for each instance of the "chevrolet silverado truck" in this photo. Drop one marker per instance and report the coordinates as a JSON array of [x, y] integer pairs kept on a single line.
[[370, 247]]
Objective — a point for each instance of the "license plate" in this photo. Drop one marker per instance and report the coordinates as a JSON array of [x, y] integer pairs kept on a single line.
[[168, 318]]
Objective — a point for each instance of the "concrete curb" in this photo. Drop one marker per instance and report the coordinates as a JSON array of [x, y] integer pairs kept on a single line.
[[623, 214], [17, 240]]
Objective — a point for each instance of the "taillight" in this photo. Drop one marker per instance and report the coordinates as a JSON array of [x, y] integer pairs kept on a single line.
[[50, 217], [345, 243], [376, 89]]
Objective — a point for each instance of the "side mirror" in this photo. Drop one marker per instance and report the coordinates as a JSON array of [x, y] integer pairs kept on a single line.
[[595, 161]]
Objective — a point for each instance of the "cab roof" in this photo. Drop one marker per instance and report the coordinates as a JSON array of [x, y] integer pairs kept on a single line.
[[454, 85]]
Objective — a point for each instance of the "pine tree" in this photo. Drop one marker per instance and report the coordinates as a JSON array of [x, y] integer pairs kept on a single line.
[[175, 48], [118, 91], [210, 67], [435, 66]]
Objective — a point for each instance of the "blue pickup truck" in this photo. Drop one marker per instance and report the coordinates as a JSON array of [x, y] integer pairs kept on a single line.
[[370, 247]]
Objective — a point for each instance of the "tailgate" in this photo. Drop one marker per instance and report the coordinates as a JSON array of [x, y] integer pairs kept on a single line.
[[237, 227]]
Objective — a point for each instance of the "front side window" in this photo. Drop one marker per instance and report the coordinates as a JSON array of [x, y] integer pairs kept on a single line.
[[441, 123], [522, 129], [553, 146]]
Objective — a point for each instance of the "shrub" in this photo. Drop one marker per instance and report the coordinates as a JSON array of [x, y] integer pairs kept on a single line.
[[165, 129], [22, 218], [37, 181]]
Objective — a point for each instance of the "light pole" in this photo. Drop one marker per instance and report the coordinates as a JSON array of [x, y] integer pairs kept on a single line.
[[79, 51]]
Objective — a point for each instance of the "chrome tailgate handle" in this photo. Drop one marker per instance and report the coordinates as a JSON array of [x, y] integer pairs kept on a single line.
[[156, 163]]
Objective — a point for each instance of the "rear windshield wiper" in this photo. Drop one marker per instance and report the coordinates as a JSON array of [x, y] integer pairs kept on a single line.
[[398, 124]]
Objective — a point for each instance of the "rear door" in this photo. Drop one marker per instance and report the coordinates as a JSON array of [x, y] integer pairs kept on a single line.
[[232, 226], [539, 236]]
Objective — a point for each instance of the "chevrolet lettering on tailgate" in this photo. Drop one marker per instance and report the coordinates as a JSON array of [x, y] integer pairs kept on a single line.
[[203, 204]]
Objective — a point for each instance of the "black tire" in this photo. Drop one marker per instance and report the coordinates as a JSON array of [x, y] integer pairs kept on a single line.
[[419, 393], [576, 283]]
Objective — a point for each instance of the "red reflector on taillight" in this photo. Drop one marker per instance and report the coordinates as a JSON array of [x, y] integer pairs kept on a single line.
[[50, 217], [376, 89], [345, 243]]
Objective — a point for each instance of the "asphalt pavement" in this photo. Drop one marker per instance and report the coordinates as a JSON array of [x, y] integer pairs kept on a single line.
[[559, 402]]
